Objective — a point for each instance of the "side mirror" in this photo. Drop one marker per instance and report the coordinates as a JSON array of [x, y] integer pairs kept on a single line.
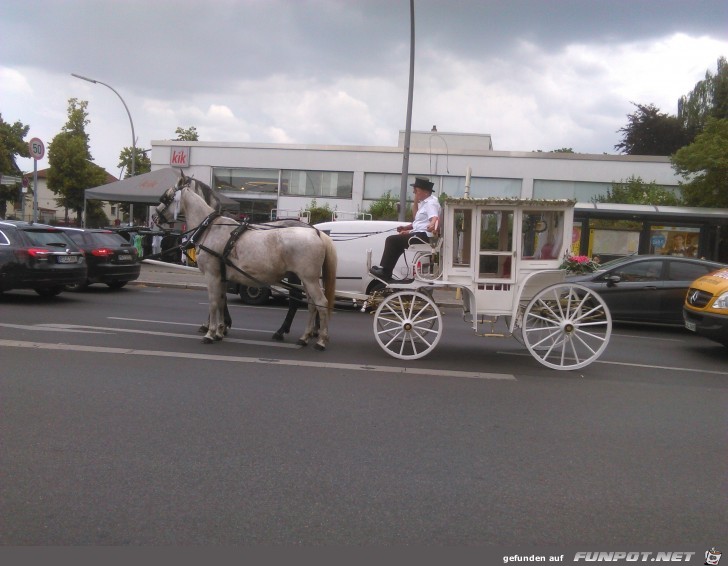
[[612, 280]]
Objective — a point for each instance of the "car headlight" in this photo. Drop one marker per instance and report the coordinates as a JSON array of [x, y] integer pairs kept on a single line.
[[721, 302]]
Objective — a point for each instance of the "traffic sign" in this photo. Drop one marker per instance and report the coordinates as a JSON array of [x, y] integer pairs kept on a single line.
[[37, 149]]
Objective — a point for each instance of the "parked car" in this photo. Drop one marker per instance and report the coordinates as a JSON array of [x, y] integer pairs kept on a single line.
[[706, 307], [646, 288], [110, 258], [39, 257]]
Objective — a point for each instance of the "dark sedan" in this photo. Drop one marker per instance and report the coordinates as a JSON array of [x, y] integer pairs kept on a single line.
[[110, 258], [646, 288], [39, 257]]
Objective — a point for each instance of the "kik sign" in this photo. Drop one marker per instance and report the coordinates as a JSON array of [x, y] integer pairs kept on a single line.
[[180, 157]]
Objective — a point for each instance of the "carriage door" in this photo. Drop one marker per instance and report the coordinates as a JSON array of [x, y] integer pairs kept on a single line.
[[496, 256]]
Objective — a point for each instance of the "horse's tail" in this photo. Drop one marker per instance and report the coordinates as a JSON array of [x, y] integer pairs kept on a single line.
[[328, 274]]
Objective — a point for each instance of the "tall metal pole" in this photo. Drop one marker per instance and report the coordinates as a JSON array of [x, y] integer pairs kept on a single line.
[[133, 136], [408, 127]]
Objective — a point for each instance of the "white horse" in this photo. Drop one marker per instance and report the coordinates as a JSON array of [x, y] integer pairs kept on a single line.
[[255, 256]]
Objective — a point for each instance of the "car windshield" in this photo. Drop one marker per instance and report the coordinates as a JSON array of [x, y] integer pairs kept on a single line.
[[48, 238]]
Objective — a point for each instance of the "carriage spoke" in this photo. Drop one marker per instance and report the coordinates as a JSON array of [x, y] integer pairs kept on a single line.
[[566, 326], [407, 325]]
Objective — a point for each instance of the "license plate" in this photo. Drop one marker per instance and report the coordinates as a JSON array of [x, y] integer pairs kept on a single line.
[[124, 257], [67, 259], [690, 325]]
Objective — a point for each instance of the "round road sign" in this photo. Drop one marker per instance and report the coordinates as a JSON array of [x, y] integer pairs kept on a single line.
[[37, 149]]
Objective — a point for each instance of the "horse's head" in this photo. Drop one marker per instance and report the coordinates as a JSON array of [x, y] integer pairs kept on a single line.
[[165, 212]]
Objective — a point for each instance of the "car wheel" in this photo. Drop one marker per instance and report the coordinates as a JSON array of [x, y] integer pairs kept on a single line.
[[116, 284], [254, 295], [49, 291]]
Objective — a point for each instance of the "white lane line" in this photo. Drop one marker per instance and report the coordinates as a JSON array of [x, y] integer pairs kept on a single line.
[[185, 324], [73, 327], [49, 328], [251, 360], [646, 366]]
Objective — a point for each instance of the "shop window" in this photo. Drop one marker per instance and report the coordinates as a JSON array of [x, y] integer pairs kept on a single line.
[[328, 184]]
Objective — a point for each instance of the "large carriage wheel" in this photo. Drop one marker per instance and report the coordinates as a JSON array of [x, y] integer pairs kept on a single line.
[[566, 326], [408, 325]]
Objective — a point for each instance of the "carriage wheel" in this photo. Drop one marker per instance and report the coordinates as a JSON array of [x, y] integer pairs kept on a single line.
[[566, 326], [408, 325]]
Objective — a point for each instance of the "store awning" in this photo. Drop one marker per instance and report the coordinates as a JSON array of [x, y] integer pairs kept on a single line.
[[147, 188]]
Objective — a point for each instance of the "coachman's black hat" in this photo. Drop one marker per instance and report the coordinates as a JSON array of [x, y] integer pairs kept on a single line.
[[424, 184]]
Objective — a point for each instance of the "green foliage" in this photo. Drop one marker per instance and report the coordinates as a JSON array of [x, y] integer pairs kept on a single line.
[[651, 132], [187, 134], [143, 164], [635, 191], [708, 99], [71, 171], [385, 208], [12, 146], [319, 213], [704, 166]]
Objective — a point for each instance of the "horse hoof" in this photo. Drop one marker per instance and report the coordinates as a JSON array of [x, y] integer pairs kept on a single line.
[[301, 343], [319, 347], [278, 336], [207, 340]]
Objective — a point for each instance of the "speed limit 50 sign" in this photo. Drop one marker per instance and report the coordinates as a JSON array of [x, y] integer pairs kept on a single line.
[[37, 149]]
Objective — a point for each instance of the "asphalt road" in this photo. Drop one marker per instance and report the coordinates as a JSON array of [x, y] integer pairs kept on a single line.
[[119, 427]]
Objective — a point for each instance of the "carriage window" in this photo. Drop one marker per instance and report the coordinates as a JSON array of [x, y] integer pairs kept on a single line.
[[496, 230], [496, 244], [462, 230], [542, 234]]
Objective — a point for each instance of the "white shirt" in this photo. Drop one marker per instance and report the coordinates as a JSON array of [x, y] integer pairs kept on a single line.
[[425, 210]]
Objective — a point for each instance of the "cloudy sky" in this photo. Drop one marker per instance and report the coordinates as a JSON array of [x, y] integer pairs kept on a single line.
[[535, 74]]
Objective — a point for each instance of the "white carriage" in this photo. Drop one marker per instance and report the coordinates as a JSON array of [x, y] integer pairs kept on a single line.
[[502, 257]]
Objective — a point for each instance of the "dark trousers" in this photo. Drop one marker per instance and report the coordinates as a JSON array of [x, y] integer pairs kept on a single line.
[[394, 247]]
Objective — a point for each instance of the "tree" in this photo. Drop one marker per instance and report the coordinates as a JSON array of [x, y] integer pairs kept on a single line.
[[651, 132], [188, 134], [635, 191], [708, 99], [12, 146], [71, 170], [142, 163], [704, 166]]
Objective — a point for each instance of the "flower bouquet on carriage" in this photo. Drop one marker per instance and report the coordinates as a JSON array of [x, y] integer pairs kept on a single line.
[[579, 264]]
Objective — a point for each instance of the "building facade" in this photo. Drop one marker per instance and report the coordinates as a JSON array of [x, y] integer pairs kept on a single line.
[[272, 180]]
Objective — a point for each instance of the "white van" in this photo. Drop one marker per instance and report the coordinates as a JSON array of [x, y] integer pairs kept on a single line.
[[356, 241]]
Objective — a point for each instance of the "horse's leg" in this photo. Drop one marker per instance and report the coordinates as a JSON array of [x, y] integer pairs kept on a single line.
[[318, 311], [294, 298], [205, 326], [216, 296]]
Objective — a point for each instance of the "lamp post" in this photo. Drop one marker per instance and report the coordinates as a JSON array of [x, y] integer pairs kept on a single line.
[[133, 136]]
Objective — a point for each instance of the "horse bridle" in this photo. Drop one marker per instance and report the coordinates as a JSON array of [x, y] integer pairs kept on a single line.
[[167, 198]]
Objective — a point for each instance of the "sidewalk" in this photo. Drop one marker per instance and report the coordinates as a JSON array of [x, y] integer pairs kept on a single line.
[[160, 274]]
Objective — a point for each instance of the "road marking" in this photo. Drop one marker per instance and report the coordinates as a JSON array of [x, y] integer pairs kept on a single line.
[[630, 364], [74, 327], [184, 324], [251, 360], [50, 328]]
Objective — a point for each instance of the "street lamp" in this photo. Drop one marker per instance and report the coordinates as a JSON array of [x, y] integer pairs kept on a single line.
[[133, 137]]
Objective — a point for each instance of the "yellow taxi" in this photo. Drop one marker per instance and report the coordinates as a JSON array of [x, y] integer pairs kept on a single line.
[[705, 311]]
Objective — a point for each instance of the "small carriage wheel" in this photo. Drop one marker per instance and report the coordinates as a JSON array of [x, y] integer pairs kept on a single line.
[[408, 325], [566, 326]]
